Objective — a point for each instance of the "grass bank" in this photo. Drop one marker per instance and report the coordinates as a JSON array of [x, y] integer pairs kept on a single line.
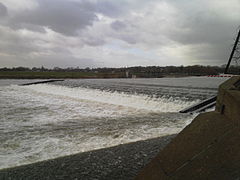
[[57, 75]]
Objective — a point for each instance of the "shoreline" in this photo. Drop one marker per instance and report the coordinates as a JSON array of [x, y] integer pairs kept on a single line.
[[46, 78], [86, 75], [65, 78], [119, 162]]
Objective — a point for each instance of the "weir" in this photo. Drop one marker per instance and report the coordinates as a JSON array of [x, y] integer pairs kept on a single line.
[[41, 82], [208, 148]]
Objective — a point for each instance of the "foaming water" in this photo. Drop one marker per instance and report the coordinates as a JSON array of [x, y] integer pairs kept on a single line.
[[136, 101], [45, 121]]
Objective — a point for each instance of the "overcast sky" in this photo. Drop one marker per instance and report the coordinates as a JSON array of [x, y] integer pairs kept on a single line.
[[116, 33]]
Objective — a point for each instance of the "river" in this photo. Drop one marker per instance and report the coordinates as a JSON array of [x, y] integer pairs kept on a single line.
[[45, 121]]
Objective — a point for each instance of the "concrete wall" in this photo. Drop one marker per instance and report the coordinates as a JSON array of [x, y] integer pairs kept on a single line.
[[208, 148]]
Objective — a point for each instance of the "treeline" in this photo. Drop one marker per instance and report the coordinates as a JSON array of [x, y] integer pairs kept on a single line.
[[137, 71]]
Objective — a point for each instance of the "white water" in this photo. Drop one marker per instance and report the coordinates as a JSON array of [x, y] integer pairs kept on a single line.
[[135, 101], [45, 121]]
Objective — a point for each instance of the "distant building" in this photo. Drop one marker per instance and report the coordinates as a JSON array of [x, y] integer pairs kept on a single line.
[[127, 74]]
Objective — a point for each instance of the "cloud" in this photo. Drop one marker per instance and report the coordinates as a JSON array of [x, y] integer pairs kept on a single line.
[[204, 30], [28, 48], [3, 10], [117, 33], [118, 25], [61, 16], [208, 27]]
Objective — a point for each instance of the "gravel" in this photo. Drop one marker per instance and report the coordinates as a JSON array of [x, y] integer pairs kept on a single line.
[[119, 162]]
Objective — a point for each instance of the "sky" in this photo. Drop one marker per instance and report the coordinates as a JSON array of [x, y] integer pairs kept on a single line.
[[117, 33]]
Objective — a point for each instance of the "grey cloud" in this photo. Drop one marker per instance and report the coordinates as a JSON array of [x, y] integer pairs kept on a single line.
[[118, 25], [13, 44], [3, 10], [92, 41], [46, 61], [59, 15], [31, 27], [207, 30], [19, 50], [66, 17], [139, 23], [210, 54], [62, 60], [112, 9], [128, 38], [203, 26]]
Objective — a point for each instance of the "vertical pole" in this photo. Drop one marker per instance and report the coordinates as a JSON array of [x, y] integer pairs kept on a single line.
[[232, 53]]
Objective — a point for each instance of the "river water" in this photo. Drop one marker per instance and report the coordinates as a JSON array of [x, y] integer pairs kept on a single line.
[[45, 121]]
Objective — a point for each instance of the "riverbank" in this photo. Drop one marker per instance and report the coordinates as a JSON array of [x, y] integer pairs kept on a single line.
[[119, 162], [79, 75], [54, 75]]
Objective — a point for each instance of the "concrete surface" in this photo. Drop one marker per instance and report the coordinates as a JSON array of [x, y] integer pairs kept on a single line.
[[208, 148]]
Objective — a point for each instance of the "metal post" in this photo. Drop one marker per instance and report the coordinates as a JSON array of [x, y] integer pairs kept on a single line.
[[232, 53]]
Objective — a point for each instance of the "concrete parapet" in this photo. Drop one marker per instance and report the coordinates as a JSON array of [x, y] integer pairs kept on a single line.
[[208, 148], [233, 84], [228, 100]]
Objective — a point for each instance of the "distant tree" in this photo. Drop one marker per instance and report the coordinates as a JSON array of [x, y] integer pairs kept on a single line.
[[22, 69], [5, 69]]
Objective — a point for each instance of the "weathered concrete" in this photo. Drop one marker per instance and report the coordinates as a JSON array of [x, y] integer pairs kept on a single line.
[[208, 148]]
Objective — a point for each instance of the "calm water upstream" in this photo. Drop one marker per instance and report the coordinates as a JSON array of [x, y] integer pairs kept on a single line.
[[44, 121]]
